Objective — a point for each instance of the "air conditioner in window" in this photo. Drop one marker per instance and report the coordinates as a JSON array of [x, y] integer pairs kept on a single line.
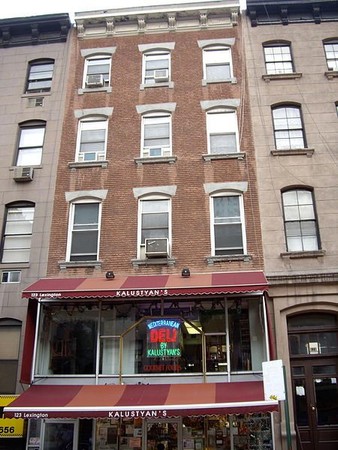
[[156, 248], [95, 80], [23, 174], [161, 75]]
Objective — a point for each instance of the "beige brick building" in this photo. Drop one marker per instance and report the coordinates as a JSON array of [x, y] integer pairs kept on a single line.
[[291, 55]]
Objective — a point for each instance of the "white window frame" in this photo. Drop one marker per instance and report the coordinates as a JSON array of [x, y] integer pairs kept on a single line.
[[331, 54], [300, 213], [278, 58], [30, 145], [241, 221], [71, 228], [18, 232], [227, 124], [88, 124], [156, 150], [92, 60], [218, 56], [155, 55], [141, 202], [10, 276], [293, 130]]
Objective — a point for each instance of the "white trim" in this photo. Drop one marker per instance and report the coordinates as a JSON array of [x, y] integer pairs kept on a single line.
[[169, 191], [227, 42], [81, 113], [156, 46], [234, 186], [155, 107], [100, 194], [107, 51], [222, 103]]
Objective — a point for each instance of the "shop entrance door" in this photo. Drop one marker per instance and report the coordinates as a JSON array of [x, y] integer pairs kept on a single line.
[[315, 392], [163, 434], [59, 435]]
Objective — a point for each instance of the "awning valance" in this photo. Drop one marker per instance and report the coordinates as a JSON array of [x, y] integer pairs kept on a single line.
[[148, 286], [162, 400]]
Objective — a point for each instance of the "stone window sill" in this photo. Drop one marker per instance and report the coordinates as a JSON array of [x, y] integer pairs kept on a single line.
[[82, 164], [211, 260], [330, 74], [210, 157], [305, 254], [169, 84], [72, 264], [225, 80], [293, 151], [282, 76], [156, 160], [153, 262], [82, 91]]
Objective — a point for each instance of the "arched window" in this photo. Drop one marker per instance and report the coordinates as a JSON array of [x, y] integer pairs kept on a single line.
[[40, 75], [300, 222], [278, 58], [92, 139], [30, 145], [222, 129], [17, 235], [288, 127], [156, 63]]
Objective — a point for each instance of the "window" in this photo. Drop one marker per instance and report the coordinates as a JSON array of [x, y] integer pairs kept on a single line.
[[17, 237], [228, 236], [40, 75], [156, 135], [288, 127], [30, 146], [222, 131], [97, 71], [278, 59], [92, 139], [10, 332], [331, 53], [154, 221], [11, 276], [156, 67], [217, 64], [300, 222], [83, 242]]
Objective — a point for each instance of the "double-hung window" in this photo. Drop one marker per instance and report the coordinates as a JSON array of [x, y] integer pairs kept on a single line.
[[154, 225], [92, 139], [83, 240], [40, 75], [97, 71], [331, 53], [278, 59], [300, 221], [227, 228], [288, 127], [217, 63], [17, 236], [222, 131], [30, 145], [156, 135], [156, 67]]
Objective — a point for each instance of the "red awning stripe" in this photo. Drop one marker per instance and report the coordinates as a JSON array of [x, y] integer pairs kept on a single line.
[[140, 400], [148, 286]]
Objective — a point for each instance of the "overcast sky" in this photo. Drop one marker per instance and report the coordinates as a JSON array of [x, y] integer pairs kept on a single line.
[[24, 8]]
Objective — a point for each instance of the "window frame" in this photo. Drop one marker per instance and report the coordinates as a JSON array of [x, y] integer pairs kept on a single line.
[[278, 45], [300, 221], [70, 256], [288, 131], [212, 49], [241, 221], [14, 329], [93, 60], [332, 62], [233, 130], [47, 78], [10, 236], [156, 118], [37, 149], [158, 54], [87, 122], [140, 228]]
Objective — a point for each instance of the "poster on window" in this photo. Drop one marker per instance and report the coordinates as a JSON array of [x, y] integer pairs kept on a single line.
[[164, 345]]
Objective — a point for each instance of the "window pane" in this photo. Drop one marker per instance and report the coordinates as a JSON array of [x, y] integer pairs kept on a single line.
[[218, 72], [32, 137], [40, 77], [86, 214], [18, 234], [223, 143]]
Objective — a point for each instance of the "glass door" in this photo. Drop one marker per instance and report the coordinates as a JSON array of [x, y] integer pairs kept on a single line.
[[59, 435], [163, 434]]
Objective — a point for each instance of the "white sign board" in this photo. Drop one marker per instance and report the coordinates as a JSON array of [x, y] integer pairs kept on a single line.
[[273, 380]]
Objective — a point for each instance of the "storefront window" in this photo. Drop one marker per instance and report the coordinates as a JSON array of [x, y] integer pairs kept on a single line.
[[67, 340], [153, 337]]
